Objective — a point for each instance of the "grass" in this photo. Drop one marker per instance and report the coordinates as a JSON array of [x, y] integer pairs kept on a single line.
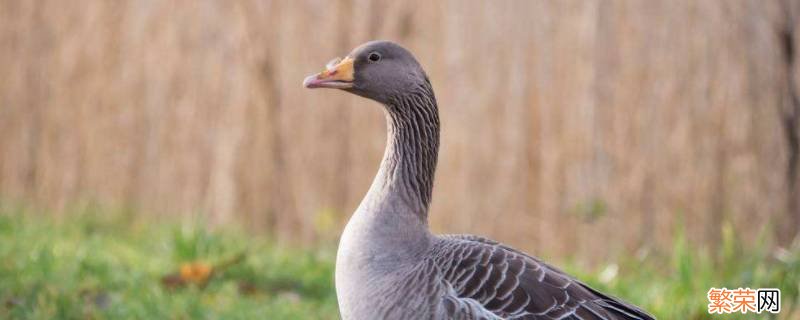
[[674, 285], [96, 265]]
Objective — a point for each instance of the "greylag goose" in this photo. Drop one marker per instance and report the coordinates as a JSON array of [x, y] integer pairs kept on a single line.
[[390, 266]]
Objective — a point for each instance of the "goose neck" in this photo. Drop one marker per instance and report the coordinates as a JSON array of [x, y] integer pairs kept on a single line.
[[405, 178]]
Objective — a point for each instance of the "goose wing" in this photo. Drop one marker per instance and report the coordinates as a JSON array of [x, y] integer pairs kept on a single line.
[[501, 282]]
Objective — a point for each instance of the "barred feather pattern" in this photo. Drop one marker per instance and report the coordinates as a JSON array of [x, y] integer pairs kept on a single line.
[[509, 284]]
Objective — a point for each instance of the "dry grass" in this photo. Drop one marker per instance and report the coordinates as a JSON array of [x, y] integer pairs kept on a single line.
[[565, 122]]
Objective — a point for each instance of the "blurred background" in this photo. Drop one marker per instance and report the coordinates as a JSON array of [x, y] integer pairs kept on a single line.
[[583, 131]]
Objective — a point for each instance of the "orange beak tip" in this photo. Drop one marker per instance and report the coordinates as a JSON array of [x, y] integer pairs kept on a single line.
[[338, 74]]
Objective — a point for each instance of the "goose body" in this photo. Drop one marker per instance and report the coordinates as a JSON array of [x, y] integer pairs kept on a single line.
[[390, 266]]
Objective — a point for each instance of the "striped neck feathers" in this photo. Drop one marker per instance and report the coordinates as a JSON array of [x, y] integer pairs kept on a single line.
[[409, 162]]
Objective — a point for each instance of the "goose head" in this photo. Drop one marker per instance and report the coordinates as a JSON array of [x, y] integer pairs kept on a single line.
[[379, 70]]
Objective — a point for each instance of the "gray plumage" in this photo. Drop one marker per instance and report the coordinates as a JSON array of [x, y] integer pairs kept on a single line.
[[390, 266]]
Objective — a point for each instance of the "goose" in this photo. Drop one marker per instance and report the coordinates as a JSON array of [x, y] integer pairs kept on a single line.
[[389, 265]]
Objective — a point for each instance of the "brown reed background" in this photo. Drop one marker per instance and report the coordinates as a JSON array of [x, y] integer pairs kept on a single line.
[[588, 128]]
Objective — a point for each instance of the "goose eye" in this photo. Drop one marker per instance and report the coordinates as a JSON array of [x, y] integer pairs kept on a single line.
[[374, 57]]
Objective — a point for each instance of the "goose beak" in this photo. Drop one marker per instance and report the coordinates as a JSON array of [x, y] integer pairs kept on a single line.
[[338, 74]]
